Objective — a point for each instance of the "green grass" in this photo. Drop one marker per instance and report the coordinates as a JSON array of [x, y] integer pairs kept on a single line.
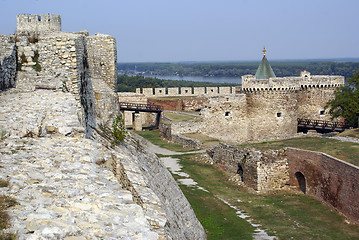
[[205, 140], [346, 151], [350, 133], [154, 137], [179, 117], [288, 215], [218, 219], [5, 203]]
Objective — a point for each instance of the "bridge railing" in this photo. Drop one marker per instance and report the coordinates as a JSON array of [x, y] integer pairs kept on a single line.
[[320, 123], [141, 106]]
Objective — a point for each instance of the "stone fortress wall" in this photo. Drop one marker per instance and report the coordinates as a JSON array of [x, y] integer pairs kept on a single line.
[[82, 69]]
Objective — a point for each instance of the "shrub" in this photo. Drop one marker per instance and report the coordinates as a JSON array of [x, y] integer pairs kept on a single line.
[[118, 130], [35, 59], [5, 203], [23, 58], [37, 67], [4, 183], [34, 38]]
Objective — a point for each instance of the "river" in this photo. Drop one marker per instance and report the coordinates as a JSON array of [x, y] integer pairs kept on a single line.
[[199, 78]]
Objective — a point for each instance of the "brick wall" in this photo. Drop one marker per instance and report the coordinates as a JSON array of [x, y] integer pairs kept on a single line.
[[190, 104], [328, 179]]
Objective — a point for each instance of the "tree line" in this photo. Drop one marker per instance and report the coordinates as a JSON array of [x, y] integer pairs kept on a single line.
[[237, 69], [130, 83]]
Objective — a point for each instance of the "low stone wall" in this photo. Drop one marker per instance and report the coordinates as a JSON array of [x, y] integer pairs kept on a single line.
[[165, 130], [326, 178], [186, 142], [186, 127]]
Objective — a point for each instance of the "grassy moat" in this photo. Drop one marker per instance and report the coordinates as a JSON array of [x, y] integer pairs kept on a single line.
[[284, 214]]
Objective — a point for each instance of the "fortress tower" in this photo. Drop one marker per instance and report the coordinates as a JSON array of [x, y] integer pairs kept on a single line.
[[269, 106], [38, 23]]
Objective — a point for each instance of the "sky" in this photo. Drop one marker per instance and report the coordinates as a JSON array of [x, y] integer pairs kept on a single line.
[[207, 30]]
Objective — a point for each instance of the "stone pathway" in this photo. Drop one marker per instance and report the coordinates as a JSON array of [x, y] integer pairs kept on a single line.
[[187, 113], [62, 190], [158, 150], [347, 139]]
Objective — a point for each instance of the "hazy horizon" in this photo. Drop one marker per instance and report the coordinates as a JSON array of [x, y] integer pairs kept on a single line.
[[254, 61], [207, 30]]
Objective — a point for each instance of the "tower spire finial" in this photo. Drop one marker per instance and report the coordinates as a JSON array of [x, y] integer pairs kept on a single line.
[[264, 51]]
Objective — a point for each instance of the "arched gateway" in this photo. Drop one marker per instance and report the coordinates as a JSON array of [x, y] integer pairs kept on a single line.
[[301, 181]]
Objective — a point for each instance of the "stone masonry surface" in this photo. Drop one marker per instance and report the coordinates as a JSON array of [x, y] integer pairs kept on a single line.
[[62, 192]]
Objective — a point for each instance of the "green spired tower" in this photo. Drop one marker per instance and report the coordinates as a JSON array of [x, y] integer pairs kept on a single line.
[[264, 70]]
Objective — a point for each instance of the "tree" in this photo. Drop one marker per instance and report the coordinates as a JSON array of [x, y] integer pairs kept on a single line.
[[346, 102]]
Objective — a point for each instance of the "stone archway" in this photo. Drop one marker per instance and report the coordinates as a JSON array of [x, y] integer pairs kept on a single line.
[[301, 182]]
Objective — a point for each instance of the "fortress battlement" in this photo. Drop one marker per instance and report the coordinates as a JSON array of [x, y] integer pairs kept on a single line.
[[38, 23], [185, 91], [304, 81]]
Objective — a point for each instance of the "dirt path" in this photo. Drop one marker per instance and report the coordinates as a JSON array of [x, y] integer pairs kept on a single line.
[[158, 150]]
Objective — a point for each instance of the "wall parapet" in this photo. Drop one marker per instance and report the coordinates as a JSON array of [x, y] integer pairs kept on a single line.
[[38, 23], [185, 91]]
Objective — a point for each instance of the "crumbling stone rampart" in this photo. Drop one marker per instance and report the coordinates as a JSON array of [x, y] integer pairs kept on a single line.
[[262, 171], [65, 88], [182, 222]]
